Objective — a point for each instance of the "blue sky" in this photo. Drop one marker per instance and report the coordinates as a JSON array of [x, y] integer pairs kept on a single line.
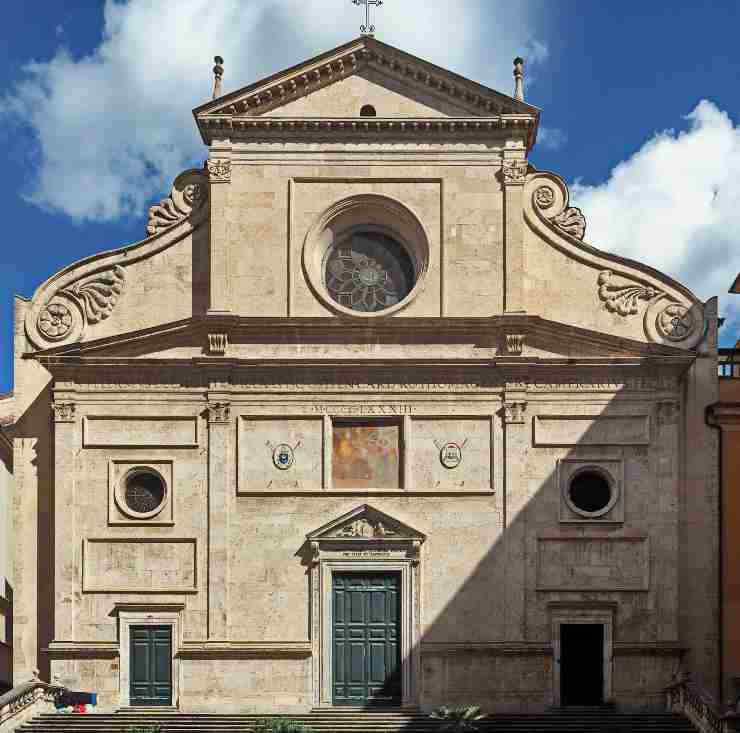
[[641, 111]]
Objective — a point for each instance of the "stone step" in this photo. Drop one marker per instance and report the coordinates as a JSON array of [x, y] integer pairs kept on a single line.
[[362, 721]]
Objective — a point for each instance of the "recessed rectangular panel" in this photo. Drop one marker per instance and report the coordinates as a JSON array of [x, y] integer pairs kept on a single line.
[[451, 454], [562, 430], [280, 454], [128, 565], [129, 432], [593, 564], [366, 454]]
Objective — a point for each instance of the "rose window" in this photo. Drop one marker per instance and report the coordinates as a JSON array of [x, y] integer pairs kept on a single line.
[[368, 272], [144, 491]]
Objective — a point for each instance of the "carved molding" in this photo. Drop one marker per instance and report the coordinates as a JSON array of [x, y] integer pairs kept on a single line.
[[514, 172], [218, 343], [515, 343], [572, 221], [186, 196], [622, 296], [514, 412], [219, 170], [219, 412], [63, 411]]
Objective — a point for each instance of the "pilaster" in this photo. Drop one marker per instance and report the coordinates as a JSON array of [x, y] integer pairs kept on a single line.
[[66, 560], [220, 493], [516, 447], [219, 176], [513, 176]]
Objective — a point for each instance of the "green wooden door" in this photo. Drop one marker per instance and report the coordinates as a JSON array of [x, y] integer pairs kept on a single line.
[[366, 639], [151, 665]]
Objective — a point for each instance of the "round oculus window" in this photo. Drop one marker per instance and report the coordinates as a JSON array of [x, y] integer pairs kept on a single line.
[[144, 492], [590, 493], [368, 272]]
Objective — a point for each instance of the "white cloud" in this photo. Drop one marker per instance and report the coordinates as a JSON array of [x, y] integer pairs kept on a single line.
[[114, 127], [551, 138], [675, 205]]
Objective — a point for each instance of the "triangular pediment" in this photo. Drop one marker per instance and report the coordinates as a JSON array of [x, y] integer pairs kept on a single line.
[[366, 523], [412, 88]]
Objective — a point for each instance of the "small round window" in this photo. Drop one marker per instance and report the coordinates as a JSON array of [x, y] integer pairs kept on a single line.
[[368, 271], [591, 493], [144, 492]]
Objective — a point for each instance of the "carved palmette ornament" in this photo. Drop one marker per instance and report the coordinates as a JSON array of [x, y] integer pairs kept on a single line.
[[99, 294], [219, 170], [571, 221], [622, 296], [95, 296], [514, 172], [189, 192]]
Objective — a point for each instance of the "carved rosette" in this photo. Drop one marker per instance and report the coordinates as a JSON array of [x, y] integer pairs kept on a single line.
[[544, 197], [622, 296], [219, 170], [89, 300], [514, 172], [189, 193], [675, 322]]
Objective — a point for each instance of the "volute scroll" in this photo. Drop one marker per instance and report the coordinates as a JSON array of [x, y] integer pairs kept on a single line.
[[87, 292], [672, 315]]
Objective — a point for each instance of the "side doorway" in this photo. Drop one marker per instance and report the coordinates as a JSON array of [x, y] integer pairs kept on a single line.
[[582, 664], [150, 665]]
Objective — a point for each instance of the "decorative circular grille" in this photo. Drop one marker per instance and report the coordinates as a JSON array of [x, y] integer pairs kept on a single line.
[[368, 272], [144, 492], [590, 492]]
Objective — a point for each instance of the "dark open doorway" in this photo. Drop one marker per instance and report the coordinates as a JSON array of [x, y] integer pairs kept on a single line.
[[582, 664]]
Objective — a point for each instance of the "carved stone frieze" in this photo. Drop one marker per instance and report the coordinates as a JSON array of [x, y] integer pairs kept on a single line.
[[514, 412], [515, 343], [514, 172], [219, 170], [218, 343], [63, 411], [667, 412], [621, 295], [219, 412], [572, 221], [364, 527]]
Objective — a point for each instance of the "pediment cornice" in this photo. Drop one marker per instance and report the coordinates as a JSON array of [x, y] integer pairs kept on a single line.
[[235, 113]]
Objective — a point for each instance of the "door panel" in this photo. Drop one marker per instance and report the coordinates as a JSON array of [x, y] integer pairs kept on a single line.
[[151, 665], [582, 664], [367, 664]]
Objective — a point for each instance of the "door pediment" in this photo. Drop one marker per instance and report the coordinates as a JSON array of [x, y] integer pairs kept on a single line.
[[366, 524]]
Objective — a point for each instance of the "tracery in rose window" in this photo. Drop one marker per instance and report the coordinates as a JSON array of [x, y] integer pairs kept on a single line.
[[368, 272]]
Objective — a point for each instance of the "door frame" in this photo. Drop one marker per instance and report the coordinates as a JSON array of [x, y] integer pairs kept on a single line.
[[602, 614], [322, 622], [129, 616]]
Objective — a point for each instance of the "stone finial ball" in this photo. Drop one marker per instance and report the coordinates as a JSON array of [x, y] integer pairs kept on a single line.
[[218, 59], [518, 61]]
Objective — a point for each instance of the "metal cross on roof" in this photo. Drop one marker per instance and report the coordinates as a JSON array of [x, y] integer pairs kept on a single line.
[[368, 29]]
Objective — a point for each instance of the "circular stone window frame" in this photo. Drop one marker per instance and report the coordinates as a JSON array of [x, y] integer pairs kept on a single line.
[[120, 493], [612, 483], [373, 213]]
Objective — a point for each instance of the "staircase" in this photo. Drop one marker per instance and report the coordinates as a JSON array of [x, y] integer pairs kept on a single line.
[[361, 721]]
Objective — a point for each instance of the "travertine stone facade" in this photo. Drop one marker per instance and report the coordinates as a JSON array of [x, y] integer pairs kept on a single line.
[[213, 356]]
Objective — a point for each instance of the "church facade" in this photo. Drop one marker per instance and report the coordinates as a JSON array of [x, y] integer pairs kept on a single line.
[[364, 421]]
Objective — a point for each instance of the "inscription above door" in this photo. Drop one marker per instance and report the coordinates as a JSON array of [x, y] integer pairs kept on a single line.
[[366, 639]]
